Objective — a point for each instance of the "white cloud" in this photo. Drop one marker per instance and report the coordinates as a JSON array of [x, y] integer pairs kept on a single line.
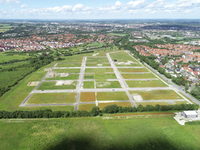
[[136, 3], [9, 1], [115, 7]]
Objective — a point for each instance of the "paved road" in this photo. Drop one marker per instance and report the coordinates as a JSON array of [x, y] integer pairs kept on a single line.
[[121, 80], [80, 82]]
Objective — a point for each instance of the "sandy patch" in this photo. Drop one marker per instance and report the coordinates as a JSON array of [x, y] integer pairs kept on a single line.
[[103, 84], [35, 83], [96, 54], [137, 97]]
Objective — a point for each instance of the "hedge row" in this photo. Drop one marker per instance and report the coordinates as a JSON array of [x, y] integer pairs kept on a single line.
[[94, 112]]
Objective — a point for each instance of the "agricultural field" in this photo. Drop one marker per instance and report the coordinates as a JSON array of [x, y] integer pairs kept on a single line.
[[82, 81], [138, 133], [5, 27]]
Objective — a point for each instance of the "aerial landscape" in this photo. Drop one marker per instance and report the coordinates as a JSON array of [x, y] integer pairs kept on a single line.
[[99, 75]]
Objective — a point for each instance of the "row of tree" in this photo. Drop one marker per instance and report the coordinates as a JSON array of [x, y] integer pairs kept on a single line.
[[94, 112]]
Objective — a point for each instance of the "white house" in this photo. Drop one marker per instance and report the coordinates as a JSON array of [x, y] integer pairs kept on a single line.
[[190, 114]]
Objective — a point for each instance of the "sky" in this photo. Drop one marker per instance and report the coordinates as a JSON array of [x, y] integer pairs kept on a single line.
[[99, 9]]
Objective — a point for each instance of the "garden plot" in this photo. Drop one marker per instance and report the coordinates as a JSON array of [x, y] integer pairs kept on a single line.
[[57, 85], [107, 96], [150, 83], [52, 98]]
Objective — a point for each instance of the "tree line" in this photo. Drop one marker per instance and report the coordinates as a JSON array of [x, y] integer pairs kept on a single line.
[[95, 111]]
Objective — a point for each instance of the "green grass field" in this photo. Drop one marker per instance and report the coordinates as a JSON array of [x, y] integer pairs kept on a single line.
[[157, 94], [152, 83], [51, 98], [136, 133]]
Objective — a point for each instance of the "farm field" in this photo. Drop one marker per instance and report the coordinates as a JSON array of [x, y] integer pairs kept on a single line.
[[138, 133], [93, 79], [5, 27]]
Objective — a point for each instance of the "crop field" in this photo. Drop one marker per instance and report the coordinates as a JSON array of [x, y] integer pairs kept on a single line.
[[95, 79], [136, 133]]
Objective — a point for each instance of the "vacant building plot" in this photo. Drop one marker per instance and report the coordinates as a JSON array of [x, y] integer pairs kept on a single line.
[[88, 84], [103, 96], [52, 98], [145, 83], [67, 70], [86, 107], [157, 94], [97, 61], [111, 84], [123, 104], [54, 85], [67, 77], [142, 69], [88, 97], [121, 57], [139, 76]]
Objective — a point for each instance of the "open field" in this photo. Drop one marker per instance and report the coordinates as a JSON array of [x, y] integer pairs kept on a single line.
[[83, 85], [139, 133]]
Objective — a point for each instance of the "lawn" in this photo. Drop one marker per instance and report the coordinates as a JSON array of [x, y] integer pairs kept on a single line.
[[88, 97], [136, 133], [133, 70], [151, 83], [98, 70], [139, 76], [51, 86], [157, 94], [102, 96], [52, 98]]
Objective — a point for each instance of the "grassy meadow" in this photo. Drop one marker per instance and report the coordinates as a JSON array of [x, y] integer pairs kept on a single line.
[[136, 133]]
